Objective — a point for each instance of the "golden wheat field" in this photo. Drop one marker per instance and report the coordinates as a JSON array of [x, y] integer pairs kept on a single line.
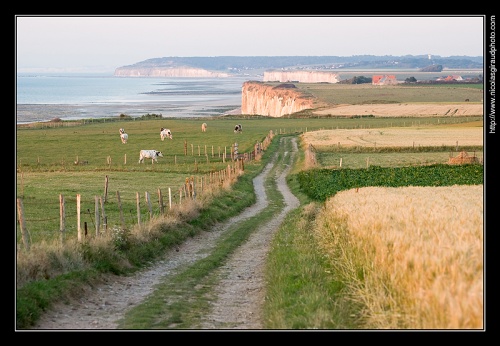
[[396, 137], [405, 110], [420, 250]]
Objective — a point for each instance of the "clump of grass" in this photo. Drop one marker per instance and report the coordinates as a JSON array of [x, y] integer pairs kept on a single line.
[[302, 291]]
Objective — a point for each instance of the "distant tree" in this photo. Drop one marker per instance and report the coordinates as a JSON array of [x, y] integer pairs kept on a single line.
[[410, 80], [356, 80]]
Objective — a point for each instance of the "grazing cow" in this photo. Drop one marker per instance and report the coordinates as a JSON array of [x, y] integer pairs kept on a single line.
[[238, 129], [150, 154], [204, 127], [123, 136], [164, 133]]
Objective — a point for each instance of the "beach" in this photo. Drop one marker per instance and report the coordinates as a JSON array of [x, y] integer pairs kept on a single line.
[[46, 112], [42, 98]]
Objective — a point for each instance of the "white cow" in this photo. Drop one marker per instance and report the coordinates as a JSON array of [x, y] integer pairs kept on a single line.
[[204, 127], [123, 136], [238, 128], [164, 133], [150, 154]]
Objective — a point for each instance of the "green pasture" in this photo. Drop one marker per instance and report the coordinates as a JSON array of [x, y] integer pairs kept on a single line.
[[403, 74], [45, 169], [384, 159], [375, 94], [45, 159], [190, 150]]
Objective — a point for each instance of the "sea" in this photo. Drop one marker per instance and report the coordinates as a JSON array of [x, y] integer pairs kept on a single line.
[[43, 97]]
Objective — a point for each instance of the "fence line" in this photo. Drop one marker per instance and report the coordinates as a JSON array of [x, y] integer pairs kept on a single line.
[[188, 191], [192, 188]]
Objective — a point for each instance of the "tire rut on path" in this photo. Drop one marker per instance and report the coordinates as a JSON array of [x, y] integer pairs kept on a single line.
[[240, 294]]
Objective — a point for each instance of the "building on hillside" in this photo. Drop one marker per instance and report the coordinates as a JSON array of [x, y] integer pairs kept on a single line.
[[384, 80]]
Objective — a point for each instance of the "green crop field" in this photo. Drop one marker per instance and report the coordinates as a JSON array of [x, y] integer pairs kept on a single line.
[[46, 152], [46, 159], [367, 93]]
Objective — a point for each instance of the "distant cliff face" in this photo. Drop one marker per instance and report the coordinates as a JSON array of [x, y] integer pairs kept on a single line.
[[167, 72], [301, 76], [261, 99]]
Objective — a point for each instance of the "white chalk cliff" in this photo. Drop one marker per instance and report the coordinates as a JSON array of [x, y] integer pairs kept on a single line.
[[301, 76], [168, 72], [261, 99]]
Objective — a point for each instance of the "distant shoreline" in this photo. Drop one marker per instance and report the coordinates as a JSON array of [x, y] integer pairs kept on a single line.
[[40, 113]]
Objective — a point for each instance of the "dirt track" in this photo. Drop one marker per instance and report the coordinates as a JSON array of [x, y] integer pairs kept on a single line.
[[240, 293]]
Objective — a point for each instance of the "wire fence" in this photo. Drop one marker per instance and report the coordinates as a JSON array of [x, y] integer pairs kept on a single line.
[[74, 216]]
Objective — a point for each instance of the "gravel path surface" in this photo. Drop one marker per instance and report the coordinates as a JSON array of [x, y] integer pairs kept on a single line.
[[240, 294]]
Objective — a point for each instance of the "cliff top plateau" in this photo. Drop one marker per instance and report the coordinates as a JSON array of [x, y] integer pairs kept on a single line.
[[240, 65]]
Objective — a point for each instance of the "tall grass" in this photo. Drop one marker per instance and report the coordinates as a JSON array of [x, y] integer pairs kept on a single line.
[[301, 290], [411, 262]]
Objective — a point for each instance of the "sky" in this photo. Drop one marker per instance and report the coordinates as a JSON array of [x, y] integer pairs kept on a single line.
[[104, 43]]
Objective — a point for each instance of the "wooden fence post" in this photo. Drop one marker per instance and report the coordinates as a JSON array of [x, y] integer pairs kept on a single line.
[[160, 201], [148, 201], [97, 217], [78, 218], [104, 218], [62, 218], [106, 182], [169, 198], [22, 225], [138, 206], [193, 191]]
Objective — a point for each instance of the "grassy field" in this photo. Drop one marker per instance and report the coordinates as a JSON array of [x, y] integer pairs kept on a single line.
[[44, 171], [393, 147], [45, 164], [356, 94], [402, 74]]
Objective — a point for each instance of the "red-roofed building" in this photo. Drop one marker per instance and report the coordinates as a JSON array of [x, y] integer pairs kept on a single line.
[[384, 80], [450, 78]]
